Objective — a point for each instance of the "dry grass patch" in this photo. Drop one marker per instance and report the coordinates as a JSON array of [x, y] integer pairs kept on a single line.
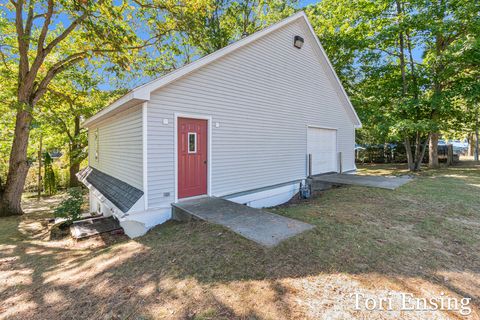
[[422, 238]]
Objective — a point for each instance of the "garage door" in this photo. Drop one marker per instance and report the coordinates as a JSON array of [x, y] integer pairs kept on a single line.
[[322, 145]]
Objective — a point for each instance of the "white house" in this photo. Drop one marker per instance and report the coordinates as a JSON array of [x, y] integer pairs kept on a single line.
[[238, 123]]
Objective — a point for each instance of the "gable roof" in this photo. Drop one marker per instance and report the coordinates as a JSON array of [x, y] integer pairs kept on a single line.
[[142, 93]]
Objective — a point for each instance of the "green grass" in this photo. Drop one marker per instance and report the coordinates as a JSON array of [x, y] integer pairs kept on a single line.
[[428, 226]]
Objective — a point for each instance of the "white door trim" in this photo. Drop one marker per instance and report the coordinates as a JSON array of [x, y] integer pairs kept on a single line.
[[209, 148], [321, 127]]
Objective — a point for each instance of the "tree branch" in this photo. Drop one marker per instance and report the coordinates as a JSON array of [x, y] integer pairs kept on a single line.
[[29, 23], [41, 39], [53, 71], [64, 125], [154, 6], [46, 23], [64, 96], [65, 33], [67, 62], [4, 60], [387, 52], [22, 45]]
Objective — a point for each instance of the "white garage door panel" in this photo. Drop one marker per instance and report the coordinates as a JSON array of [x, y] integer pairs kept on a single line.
[[322, 145]]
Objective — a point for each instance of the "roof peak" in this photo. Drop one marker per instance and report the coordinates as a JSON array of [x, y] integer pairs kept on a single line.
[[142, 93]]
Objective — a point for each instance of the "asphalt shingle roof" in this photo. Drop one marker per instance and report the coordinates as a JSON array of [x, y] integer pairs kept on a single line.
[[120, 193]]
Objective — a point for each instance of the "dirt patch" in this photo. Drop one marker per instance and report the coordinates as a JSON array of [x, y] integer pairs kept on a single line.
[[422, 239]]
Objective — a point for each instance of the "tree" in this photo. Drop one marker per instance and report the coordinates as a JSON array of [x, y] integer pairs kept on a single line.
[[445, 24], [371, 45], [7, 98], [49, 180], [41, 51], [202, 27], [76, 96], [401, 64]]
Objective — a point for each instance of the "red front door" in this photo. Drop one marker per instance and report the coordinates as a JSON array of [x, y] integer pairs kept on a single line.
[[192, 157]]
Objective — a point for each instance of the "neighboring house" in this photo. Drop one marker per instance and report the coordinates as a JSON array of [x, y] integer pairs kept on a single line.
[[238, 123]]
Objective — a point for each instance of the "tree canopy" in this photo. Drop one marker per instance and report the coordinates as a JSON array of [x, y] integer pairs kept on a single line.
[[410, 68]]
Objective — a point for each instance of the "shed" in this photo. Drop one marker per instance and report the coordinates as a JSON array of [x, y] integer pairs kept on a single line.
[[237, 124]]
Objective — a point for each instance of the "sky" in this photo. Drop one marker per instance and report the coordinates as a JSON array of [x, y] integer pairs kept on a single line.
[[136, 81], [303, 3], [106, 85]]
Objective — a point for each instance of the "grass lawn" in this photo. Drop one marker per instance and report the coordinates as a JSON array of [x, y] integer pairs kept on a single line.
[[423, 239]]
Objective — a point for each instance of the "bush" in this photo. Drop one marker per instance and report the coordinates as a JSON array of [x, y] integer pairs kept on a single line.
[[61, 176], [49, 179], [70, 208]]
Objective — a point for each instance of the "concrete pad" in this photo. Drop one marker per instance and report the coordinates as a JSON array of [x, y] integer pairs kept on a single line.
[[390, 183], [263, 227]]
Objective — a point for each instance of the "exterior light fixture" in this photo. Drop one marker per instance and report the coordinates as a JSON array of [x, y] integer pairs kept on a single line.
[[298, 42]]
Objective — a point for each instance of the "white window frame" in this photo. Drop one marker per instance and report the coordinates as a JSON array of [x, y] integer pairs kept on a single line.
[[195, 143]]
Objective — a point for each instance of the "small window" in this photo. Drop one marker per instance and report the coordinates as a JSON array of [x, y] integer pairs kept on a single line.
[[192, 142], [97, 147]]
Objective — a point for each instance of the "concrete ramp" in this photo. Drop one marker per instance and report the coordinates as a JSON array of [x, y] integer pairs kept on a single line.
[[390, 183], [263, 227]]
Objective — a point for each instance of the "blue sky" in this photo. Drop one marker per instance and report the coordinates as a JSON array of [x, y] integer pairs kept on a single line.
[[303, 3], [136, 81], [106, 85]]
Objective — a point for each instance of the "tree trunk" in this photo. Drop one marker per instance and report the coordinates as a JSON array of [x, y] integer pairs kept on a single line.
[[75, 154], [401, 43], [433, 151], [408, 150], [437, 93], [74, 168], [419, 160], [418, 143], [39, 176], [10, 201], [476, 151], [401, 48], [471, 144], [385, 152]]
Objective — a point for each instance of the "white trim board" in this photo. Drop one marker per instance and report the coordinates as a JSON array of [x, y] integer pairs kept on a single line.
[[321, 127], [142, 93], [145, 152], [209, 148]]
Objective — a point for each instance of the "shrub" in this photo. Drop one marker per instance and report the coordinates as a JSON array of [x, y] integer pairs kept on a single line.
[[49, 180], [70, 208]]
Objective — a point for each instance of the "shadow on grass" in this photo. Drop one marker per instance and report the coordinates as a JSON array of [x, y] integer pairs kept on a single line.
[[427, 230]]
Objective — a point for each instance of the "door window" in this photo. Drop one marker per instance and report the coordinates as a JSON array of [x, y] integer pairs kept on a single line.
[[192, 142]]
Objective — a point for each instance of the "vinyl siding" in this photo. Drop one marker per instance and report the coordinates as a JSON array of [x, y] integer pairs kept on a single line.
[[263, 96], [120, 147]]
